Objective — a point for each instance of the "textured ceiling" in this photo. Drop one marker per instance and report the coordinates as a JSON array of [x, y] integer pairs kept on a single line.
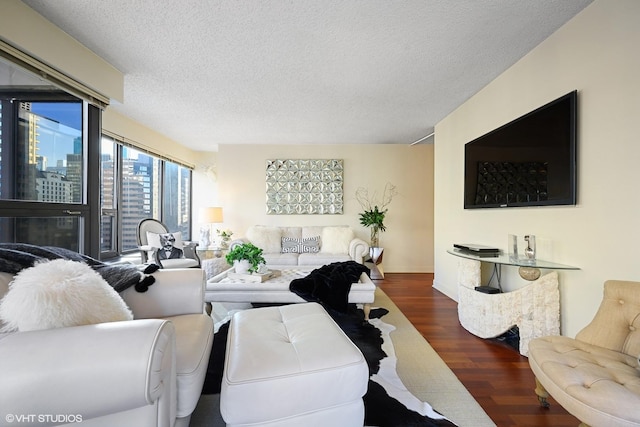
[[305, 71]]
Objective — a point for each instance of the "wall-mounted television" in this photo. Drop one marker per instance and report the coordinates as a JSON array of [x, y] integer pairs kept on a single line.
[[530, 161]]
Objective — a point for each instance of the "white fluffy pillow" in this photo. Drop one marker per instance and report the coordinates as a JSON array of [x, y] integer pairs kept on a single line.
[[336, 240], [266, 238], [57, 294], [5, 279]]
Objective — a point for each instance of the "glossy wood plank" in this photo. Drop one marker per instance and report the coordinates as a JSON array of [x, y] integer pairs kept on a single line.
[[497, 376]]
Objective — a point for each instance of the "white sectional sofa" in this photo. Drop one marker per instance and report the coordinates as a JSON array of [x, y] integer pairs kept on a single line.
[[306, 245]]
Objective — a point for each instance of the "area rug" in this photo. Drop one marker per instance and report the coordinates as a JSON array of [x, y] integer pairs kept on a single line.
[[410, 375]]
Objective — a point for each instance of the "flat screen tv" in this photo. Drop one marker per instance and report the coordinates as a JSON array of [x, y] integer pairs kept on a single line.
[[530, 161]]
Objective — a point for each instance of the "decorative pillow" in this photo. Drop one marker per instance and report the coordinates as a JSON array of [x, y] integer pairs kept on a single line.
[[310, 231], [336, 240], [57, 294], [170, 244], [300, 246], [266, 238]]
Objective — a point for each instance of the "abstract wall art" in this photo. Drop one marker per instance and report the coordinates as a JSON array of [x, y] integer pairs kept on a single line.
[[304, 186]]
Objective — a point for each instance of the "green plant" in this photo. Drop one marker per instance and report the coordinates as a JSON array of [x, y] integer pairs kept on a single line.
[[374, 218], [247, 251], [373, 215]]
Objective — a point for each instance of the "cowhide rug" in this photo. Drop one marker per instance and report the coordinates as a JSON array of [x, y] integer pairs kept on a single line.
[[387, 402]]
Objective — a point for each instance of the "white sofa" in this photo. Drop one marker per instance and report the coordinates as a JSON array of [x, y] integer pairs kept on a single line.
[[144, 372], [335, 244]]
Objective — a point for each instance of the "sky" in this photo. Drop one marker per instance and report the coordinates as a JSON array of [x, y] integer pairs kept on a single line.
[[66, 113], [56, 136]]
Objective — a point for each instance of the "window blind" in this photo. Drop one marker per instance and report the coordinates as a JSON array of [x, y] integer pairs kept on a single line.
[[52, 75], [143, 148]]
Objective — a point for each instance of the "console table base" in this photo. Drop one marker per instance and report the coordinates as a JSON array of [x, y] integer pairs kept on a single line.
[[534, 308]]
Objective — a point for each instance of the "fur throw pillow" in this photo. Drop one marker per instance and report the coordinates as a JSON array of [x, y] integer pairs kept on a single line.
[[57, 294], [336, 240], [266, 238]]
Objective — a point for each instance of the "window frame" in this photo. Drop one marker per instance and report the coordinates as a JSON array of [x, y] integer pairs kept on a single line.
[[85, 209], [58, 87]]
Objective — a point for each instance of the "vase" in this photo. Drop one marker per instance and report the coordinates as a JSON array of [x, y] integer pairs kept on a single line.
[[242, 266], [375, 231], [530, 250]]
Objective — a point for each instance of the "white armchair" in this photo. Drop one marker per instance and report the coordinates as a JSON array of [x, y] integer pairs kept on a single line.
[[595, 376], [144, 372], [153, 251]]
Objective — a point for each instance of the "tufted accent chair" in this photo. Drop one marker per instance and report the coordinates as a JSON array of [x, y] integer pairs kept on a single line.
[[596, 376]]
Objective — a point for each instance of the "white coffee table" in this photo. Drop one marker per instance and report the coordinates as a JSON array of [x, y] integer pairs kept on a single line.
[[221, 288]]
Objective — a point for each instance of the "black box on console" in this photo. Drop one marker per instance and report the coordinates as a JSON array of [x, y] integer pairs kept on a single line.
[[487, 289]]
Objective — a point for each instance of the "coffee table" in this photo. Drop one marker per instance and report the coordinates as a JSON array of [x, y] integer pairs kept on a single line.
[[221, 288]]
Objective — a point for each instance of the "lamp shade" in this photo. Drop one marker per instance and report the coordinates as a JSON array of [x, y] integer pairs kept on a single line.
[[210, 215]]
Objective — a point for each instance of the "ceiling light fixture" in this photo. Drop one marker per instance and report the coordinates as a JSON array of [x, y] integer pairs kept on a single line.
[[423, 138]]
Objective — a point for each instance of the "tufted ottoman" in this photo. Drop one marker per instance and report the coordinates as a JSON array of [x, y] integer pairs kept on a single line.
[[291, 366]]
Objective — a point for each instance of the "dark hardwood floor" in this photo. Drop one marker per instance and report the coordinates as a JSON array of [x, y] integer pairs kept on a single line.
[[495, 374]]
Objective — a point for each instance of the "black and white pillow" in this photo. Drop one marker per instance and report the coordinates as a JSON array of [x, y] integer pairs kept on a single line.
[[168, 245], [300, 246]]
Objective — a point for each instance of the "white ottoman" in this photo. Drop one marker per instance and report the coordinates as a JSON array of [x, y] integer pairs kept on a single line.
[[291, 366]]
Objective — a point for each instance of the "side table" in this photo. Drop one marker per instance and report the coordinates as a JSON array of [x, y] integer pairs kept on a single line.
[[208, 253], [375, 263]]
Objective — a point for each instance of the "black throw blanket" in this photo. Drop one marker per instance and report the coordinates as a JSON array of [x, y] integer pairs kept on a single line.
[[15, 257], [330, 284]]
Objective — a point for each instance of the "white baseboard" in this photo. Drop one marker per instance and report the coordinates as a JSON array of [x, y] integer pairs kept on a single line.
[[445, 290]]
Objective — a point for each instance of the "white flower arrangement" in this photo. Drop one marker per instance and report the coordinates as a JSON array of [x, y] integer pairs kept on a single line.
[[225, 237]]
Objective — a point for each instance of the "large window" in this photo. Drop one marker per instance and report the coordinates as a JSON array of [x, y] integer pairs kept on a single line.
[[138, 185], [43, 163], [49, 159], [108, 198], [176, 206], [62, 184]]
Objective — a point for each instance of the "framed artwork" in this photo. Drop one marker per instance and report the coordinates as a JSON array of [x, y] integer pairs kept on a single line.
[[304, 186]]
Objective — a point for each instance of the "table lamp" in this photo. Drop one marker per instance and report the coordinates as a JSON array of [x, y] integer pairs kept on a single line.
[[209, 216]]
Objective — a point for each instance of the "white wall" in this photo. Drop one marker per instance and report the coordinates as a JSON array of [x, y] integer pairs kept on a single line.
[[597, 54], [408, 240]]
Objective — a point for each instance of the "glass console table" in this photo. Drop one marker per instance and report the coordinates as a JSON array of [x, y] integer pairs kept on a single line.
[[533, 308], [529, 268], [508, 260]]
